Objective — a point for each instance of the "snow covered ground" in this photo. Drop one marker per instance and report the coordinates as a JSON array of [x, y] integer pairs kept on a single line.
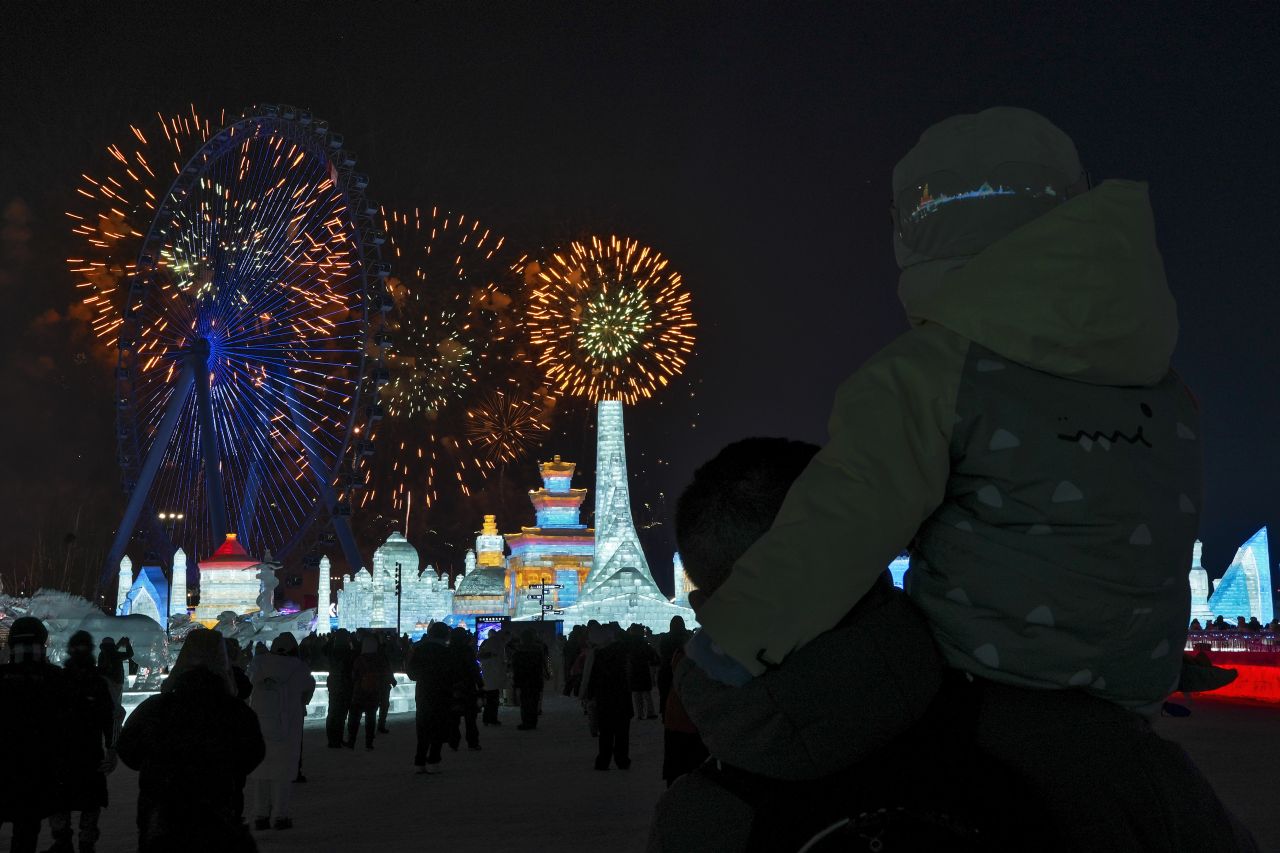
[[536, 791]]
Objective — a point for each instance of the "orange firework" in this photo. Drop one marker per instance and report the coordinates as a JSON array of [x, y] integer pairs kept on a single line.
[[506, 427], [609, 320], [113, 211]]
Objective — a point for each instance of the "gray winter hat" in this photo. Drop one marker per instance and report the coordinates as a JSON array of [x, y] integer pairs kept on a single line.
[[973, 178]]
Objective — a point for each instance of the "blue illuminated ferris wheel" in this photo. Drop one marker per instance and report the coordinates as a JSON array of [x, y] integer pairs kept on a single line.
[[250, 349]]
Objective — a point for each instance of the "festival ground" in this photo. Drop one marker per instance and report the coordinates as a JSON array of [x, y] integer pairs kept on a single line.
[[536, 791]]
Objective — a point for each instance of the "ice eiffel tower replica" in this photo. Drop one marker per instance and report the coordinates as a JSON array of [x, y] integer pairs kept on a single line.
[[620, 588]]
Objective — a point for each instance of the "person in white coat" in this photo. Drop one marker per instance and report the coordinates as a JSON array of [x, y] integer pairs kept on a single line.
[[493, 668], [282, 687]]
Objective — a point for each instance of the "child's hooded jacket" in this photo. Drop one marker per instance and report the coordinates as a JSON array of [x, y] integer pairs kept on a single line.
[[1026, 439]]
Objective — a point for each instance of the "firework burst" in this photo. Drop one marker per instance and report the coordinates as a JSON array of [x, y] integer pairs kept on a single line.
[[609, 319], [505, 427], [446, 276], [454, 344], [111, 213]]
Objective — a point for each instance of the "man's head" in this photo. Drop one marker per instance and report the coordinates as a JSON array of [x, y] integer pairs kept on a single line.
[[27, 639], [972, 179], [80, 648], [732, 501], [284, 644]]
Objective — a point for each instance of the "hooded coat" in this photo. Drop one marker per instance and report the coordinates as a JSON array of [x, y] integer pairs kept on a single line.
[[194, 722], [282, 687], [1029, 442]]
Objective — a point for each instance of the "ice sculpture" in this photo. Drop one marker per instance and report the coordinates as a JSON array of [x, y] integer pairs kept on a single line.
[[178, 584], [150, 593], [681, 582], [368, 599], [64, 614], [559, 550], [1245, 589], [619, 587], [230, 579], [323, 583], [1199, 580]]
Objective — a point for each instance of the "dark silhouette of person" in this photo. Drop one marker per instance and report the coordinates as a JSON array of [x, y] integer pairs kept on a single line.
[[493, 666], [370, 676], [389, 648], [609, 688], [33, 715], [668, 644], [341, 654], [195, 721], [466, 690], [433, 669], [529, 673], [1042, 466], [642, 659], [90, 731]]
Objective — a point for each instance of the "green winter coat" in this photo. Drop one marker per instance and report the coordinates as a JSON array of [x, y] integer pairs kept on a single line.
[[1028, 443]]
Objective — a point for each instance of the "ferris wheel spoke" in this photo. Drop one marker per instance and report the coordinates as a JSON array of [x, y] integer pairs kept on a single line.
[[138, 498], [254, 253]]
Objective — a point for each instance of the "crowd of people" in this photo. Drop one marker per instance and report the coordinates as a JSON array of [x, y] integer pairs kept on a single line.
[[238, 714], [1026, 442]]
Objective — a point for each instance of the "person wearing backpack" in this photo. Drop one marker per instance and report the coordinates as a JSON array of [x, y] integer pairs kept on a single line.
[[282, 687], [370, 675]]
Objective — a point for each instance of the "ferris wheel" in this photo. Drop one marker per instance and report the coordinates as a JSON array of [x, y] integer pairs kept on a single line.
[[250, 346]]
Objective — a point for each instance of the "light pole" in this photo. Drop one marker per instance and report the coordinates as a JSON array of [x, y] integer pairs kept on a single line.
[[170, 520]]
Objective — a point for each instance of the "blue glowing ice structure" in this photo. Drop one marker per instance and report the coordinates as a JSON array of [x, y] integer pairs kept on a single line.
[[620, 587], [1245, 590], [149, 594], [898, 569], [558, 550]]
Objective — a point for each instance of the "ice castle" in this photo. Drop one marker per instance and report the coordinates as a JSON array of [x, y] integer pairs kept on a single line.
[[368, 599]]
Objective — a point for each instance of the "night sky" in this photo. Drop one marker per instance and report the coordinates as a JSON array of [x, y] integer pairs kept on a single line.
[[750, 144]]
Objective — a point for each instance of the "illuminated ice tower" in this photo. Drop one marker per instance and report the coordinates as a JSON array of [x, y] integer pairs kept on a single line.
[[1199, 580], [1245, 590], [558, 550], [178, 584], [619, 587], [323, 583]]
